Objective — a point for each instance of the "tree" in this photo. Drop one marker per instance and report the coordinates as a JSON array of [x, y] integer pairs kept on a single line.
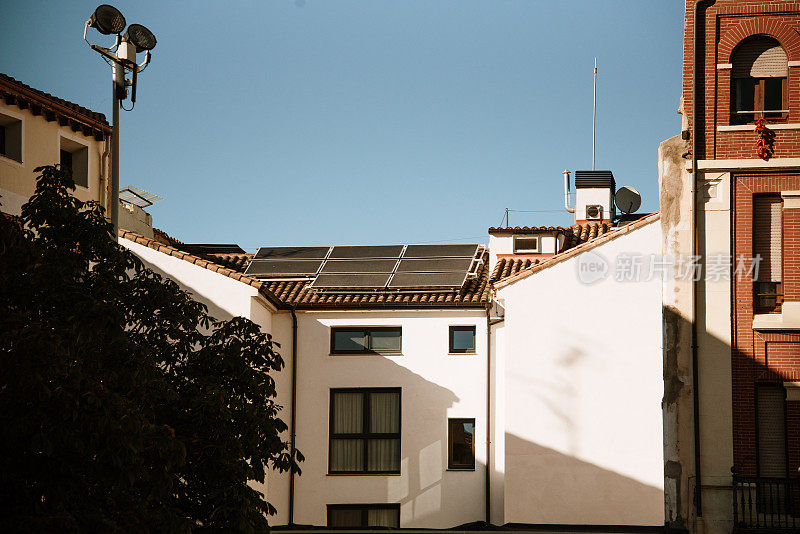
[[123, 405]]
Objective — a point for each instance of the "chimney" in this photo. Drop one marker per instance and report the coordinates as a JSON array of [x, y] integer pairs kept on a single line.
[[594, 196]]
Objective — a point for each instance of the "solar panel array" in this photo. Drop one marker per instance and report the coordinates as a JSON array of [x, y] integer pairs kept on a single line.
[[380, 267]]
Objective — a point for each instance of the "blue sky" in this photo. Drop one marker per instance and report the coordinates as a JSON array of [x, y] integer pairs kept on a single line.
[[373, 121]]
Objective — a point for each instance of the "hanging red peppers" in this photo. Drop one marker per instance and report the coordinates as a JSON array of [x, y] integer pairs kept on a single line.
[[765, 146]]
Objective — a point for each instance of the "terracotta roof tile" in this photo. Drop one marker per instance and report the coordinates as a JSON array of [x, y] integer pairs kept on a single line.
[[79, 118], [584, 241]]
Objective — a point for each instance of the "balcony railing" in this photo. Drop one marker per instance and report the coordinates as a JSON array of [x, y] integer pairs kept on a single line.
[[765, 504]]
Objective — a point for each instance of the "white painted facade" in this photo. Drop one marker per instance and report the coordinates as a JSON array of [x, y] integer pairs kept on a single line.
[[579, 379], [574, 382]]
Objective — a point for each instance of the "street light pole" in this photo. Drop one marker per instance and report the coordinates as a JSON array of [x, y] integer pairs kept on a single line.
[[118, 72], [108, 20]]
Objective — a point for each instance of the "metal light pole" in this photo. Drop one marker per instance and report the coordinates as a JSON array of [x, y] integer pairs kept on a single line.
[[108, 20]]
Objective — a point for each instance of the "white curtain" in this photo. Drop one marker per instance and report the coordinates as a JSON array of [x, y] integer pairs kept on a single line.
[[387, 517], [348, 415], [347, 455], [383, 455], [384, 412]]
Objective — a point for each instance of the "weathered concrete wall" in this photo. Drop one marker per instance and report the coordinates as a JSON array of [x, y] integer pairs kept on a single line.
[[676, 215]]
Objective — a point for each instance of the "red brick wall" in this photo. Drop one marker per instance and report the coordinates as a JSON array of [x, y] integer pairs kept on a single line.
[[727, 23], [762, 356]]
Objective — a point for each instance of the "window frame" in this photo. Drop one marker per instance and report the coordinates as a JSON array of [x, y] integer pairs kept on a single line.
[[743, 117], [451, 339], [776, 309], [536, 237], [79, 159], [368, 336], [365, 436], [364, 508], [451, 466], [8, 119]]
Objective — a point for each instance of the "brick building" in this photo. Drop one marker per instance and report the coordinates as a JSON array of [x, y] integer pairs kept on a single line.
[[732, 339]]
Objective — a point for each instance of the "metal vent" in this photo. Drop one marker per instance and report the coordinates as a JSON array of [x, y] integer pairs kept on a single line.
[[594, 179]]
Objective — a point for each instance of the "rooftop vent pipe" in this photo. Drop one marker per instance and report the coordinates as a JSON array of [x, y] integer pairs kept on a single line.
[[567, 200]]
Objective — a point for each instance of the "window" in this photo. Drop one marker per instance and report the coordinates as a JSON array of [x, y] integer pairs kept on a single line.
[[75, 158], [462, 340], [767, 245], [366, 340], [461, 444], [758, 78], [364, 515], [365, 431], [526, 244], [771, 443], [11, 137]]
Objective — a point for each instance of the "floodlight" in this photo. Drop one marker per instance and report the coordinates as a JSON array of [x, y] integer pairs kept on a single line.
[[141, 37], [107, 20]]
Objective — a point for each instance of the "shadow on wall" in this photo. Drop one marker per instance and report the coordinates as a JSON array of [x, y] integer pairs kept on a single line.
[[580, 488]]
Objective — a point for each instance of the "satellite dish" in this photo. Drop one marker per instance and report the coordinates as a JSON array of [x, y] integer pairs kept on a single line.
[[627, 199]]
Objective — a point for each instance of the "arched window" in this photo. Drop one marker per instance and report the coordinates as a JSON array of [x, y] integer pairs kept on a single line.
[[760, 67]]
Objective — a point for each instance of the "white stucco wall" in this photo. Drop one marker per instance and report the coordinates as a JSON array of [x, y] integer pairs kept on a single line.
[[582, 387], [435, 386]]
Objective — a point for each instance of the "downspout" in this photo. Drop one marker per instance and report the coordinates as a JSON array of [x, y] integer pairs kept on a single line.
[[293, 417], [697, 81], [488, 413]]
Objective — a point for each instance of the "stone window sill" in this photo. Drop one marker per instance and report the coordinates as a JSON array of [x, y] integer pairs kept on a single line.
[[788, 319]]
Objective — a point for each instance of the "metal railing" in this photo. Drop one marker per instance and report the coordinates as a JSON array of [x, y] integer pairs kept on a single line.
[[766, 504]]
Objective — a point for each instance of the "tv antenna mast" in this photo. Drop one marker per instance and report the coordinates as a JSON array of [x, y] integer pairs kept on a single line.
[[594, 111]]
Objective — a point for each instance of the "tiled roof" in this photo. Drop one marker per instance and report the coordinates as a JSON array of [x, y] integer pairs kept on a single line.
[[297, 293], [506, 267], [575, 234], [525, 229], [79, 118], [581, 233], [601, 235]]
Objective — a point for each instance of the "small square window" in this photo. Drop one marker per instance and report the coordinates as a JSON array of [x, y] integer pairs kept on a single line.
[[11, 138], [366, 340], [462, 339], [75, 159], [364, 515], [526, 244], [461, 443]]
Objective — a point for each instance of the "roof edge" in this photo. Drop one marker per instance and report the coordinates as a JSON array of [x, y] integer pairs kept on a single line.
[[583, 247], [205, 264]]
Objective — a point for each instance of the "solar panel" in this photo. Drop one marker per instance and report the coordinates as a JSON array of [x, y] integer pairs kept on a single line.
[[440, 251], [359, 266], [373, 251], [428, 280], [291, 253], [138, 197], [434, 265], [267, 268], [376, 281]]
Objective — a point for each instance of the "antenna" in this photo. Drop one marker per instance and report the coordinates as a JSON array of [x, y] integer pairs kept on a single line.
[[594, 110]]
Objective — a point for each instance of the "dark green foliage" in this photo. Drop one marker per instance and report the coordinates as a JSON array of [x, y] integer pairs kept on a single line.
[[123, 405]]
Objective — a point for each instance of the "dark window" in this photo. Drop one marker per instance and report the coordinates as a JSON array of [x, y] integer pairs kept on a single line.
[[462, 339], [768, 252], [364, 515], [758, 78], [11, 137], [364, 431], [366, 340], [66, 160], [461, 444], [771, 444], [526, 245]]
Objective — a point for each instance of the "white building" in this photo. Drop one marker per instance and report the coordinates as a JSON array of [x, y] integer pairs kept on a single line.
[[528, 393]]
